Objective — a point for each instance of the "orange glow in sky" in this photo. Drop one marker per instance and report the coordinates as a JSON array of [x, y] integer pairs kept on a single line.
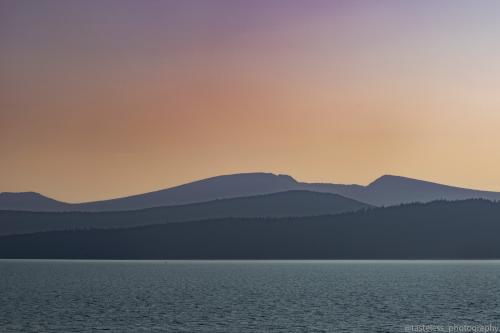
[[105, 99]]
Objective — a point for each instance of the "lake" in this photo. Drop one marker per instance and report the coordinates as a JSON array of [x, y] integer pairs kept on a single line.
[[249, 296]]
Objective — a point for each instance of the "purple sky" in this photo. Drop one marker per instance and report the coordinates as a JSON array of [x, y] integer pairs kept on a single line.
[[106, 98]]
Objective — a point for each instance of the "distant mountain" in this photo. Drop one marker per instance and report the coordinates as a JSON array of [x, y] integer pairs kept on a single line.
[[30, 201], [438, 230], [290, 203], [221, 187], [386, 190], [393, 190]]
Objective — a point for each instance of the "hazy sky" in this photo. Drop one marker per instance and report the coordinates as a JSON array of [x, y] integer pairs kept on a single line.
[[100, 99]]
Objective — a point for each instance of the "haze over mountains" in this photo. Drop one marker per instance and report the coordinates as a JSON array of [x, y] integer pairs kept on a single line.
[[386, 190], [259, 215], [31, 201], [221, 187], [282, 204], [437, 230], [391, 190]]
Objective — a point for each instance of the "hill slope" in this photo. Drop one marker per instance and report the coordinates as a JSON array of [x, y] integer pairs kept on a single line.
[[394, 190], [454, 230], [30, 201], [220, 187], [290, 203], [385, 191]]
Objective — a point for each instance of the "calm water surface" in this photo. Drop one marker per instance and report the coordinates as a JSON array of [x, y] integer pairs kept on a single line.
[[246, 296]]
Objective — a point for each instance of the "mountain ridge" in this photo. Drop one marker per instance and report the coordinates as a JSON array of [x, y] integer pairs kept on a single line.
[[465, 229], [282, 204], [383, 191], [31, 200]]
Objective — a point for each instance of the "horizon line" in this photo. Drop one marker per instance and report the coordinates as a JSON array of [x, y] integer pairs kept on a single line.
[[386, 175]]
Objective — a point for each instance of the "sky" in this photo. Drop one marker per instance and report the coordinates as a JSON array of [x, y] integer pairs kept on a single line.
[[100, 99]]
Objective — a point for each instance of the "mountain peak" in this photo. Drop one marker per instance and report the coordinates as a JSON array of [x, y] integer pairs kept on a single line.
[[385, 190], [21, 194], [391, 179], [262, 175], [29, 201], [248, 179]]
